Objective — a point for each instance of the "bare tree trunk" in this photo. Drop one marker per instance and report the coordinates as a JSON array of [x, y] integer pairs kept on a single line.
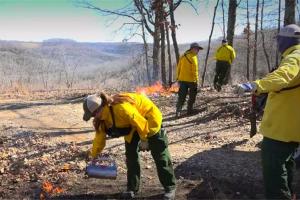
[[248, 42], [230, 30], [156, 49], [173, 30], [208, 47], [169, 53], [255, 43], [278, 28], [289, 12], [231, 21], [263, 35], [146, 53], [163, 45], [223, 13], [297, 7], [147, 9]]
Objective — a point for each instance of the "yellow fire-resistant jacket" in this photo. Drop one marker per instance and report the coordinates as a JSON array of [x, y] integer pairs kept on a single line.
[[187, 68], [281, 119], [225, 53], [144, 117]]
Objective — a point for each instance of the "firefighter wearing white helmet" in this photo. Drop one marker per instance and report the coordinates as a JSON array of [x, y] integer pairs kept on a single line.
[[136, 118]]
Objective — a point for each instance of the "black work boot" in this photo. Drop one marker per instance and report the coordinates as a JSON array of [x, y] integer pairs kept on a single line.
[[190, 110]]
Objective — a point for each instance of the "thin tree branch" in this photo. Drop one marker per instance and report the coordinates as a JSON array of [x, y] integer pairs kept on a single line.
[[85, 4]]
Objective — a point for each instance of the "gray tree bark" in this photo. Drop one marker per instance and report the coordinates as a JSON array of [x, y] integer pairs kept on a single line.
[[209, 40], [248, 42], [173, 30], [231, 21], [289, 12], [255, 43], [278, 28], [162, 44], [263, 35], [169, 53]]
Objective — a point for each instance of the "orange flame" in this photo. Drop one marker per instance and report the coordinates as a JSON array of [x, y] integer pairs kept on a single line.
[[158, 89], [49, 189], [58, 190]]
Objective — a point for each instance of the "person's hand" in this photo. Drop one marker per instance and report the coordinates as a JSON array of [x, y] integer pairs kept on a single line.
[[143, 145], [87, 155], [241, 89]]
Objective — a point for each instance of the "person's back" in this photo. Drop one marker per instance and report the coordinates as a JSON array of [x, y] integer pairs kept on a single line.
[[146, 108], [225, 53], [282, 112], [224, 56], [187, 68]]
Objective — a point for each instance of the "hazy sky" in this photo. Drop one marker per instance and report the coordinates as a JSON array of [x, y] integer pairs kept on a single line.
[[37, 20]]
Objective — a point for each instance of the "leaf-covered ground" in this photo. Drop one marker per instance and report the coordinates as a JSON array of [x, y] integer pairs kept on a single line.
[[43, 143]]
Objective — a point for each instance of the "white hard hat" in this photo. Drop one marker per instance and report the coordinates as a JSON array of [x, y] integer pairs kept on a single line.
[[90, 105]]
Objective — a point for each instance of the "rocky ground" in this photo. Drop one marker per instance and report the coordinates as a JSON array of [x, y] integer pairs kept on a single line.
[[43, 142]]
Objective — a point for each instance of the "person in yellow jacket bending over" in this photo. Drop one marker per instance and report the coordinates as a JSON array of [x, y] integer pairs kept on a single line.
[[137, 118], [187, 77], [280, 124], [224, 56]]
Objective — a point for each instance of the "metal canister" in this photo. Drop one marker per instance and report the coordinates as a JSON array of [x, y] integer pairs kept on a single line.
[[101, 171], [106, 170]]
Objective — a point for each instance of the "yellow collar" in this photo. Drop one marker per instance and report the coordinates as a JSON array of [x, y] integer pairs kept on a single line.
[[289, 50]]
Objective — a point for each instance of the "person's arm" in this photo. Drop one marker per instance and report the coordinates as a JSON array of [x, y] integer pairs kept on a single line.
[[287, 75], [217, 51], [233, 54], [138, 121], [195, 69], [178, 69], [98, 142]]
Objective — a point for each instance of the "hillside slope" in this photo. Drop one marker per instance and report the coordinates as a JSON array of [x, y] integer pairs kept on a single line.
[[45, 140]]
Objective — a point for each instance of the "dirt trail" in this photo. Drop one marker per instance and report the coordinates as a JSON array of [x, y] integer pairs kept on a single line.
[[45, 140], [46, 116]]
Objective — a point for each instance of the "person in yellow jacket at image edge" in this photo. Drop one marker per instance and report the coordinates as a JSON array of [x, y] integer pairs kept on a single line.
[[280, 125], [144, 120], [187, 77], [224, 56]]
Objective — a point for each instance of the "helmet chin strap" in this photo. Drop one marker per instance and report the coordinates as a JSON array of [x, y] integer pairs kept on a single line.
[[98, 112]]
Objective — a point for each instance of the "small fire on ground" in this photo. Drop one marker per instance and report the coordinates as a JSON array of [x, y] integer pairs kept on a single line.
[[48, 189], [158, 89]]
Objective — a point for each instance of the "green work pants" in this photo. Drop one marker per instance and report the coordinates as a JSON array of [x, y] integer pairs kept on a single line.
[[158, 145], [184, 89], [222, 68], [278, 166]]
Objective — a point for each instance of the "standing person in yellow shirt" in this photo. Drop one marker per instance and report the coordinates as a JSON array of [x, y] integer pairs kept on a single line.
[[187, 76], [280, 125], [138, 119], [224, 56]]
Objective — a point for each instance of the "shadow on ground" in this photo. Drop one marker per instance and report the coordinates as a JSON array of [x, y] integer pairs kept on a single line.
[[226, 173]]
